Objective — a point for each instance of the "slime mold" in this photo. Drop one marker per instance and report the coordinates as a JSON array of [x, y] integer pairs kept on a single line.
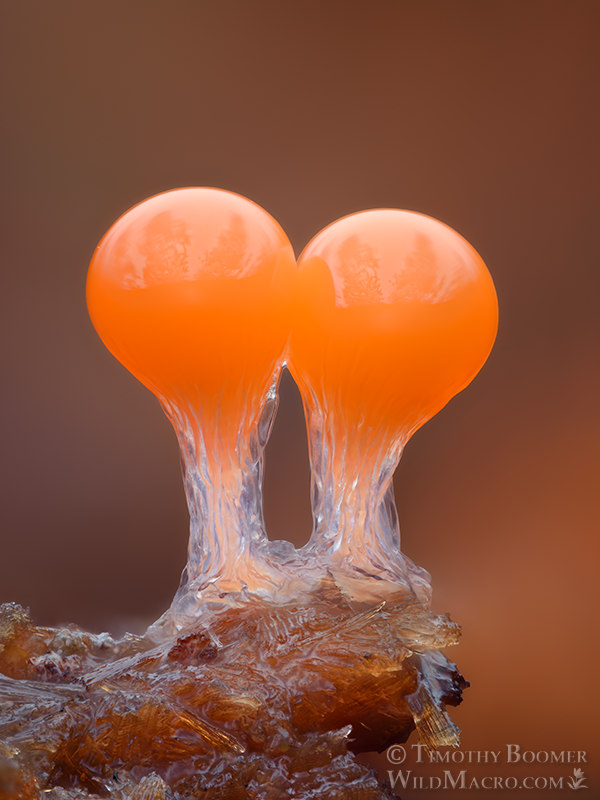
[[274, 666]]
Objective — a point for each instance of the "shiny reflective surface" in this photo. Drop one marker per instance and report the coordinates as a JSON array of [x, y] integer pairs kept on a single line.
[[191, 291], [395, 313], [388, 315]]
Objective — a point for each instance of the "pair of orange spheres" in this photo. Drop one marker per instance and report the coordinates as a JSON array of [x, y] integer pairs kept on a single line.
[[385, 316]]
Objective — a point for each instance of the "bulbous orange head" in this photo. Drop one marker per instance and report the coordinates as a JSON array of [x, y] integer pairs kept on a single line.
[[190, 290], [395, 314]]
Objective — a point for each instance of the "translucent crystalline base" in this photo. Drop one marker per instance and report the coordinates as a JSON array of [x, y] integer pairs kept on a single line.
[[257, 699]]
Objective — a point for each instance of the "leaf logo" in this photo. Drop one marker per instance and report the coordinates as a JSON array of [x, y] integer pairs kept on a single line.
[[577, 779]]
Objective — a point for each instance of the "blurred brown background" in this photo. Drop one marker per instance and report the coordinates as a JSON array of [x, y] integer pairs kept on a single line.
[[483, 114]]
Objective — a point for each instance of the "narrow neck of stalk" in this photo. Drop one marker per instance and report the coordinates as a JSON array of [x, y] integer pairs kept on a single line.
[[355, 518], [222, 469]]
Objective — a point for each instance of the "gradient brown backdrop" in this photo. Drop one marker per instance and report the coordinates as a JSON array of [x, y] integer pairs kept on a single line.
[[483, 114]]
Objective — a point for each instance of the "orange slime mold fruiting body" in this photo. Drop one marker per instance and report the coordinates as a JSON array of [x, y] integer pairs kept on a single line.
[[190, 290], [274, 666], [394, 314]]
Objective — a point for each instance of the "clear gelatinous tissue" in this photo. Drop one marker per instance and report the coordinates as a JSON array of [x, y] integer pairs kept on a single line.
[[273, 666]]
